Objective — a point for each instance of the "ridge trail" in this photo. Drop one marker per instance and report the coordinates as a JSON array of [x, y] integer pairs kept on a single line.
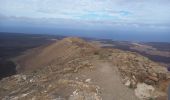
[[107, 77]]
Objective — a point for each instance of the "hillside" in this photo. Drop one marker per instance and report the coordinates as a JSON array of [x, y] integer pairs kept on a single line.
[[73, 69], [56, 53]]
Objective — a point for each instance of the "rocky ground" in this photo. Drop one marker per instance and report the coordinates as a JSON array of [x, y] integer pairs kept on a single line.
[[73, 69]]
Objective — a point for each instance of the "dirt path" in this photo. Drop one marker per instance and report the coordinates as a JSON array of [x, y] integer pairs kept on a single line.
[[107, 77]]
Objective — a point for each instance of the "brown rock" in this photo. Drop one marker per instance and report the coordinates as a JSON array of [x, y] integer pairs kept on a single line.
[[154, 74], [153, 78], [149, 82]]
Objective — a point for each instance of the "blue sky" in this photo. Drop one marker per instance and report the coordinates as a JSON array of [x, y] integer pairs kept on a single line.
[[87, 14]]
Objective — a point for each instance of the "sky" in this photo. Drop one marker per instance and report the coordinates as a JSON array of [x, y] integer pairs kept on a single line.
[[121, 16]]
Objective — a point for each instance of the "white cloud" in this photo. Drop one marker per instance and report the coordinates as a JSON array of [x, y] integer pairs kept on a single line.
[[131, 11]]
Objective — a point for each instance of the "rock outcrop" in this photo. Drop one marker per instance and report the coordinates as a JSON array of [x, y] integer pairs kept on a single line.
[[140, 73]]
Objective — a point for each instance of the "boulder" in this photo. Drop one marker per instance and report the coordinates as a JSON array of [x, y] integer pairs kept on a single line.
[[127, 83], [144, 91]]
